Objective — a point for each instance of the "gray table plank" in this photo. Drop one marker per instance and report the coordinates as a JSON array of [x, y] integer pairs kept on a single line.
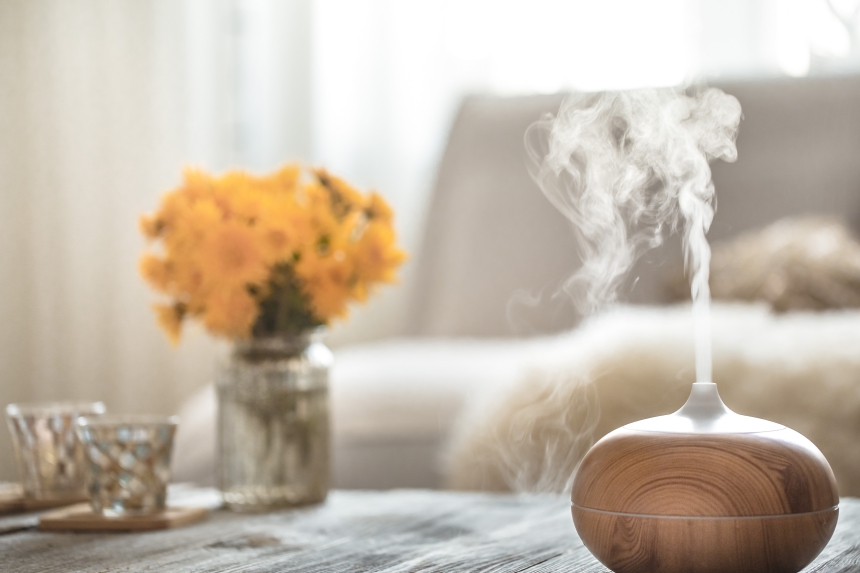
[[387, 532]]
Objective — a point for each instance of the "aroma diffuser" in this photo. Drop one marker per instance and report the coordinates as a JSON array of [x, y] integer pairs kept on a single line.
[[704, 490]]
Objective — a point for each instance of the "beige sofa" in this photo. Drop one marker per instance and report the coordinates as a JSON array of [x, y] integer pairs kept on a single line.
[[494, 251]]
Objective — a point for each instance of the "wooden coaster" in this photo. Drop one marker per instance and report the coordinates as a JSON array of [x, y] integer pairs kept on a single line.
[[12, 500], [81, 518]]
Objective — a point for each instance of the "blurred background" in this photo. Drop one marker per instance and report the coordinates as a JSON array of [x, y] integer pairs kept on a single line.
[[102, 103]]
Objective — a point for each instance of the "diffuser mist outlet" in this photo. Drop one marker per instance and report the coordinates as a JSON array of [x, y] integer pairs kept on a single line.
[[704, 490]]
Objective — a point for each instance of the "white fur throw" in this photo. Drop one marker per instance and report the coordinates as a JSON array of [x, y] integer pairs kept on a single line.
[[798, 369], [806, 263]]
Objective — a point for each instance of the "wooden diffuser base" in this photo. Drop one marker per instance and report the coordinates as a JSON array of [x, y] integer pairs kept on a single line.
[[704, 490]]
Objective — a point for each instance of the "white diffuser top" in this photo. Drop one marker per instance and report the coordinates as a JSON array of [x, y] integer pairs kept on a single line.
[[704, 413]]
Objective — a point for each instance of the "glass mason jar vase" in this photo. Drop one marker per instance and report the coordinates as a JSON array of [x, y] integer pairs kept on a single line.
[[273, 422]]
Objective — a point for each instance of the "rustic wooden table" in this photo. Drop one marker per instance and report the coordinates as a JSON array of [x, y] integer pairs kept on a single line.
[[395, 531]]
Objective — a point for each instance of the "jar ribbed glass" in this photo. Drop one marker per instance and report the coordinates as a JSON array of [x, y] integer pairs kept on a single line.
[[273, 422]]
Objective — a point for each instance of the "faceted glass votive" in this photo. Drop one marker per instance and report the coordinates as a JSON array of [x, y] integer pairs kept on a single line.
[[50, 459], [129, 462]]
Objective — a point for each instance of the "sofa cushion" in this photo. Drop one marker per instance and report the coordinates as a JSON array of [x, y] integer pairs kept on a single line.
[[495, 251]]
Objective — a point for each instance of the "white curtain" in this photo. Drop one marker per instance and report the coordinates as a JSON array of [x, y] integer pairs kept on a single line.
[[101, 103]]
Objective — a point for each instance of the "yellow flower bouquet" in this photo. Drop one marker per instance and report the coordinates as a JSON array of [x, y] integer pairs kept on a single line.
[[263, 256]]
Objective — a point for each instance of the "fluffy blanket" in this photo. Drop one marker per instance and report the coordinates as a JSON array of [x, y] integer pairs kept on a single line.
[[798, 369], [806, 263]]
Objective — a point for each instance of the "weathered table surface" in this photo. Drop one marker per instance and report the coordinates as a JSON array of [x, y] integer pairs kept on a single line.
[[395, 531]]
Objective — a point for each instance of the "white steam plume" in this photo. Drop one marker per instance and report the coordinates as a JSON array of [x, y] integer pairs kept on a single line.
[[628, 168]]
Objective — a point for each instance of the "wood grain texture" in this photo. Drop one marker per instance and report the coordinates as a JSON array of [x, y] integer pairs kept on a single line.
[[82, 518], [726, 475], [635, 544], [385, 532], [705, 503]]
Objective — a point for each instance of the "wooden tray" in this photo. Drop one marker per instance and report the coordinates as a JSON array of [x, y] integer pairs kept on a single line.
[[81, 518], [12, 500]]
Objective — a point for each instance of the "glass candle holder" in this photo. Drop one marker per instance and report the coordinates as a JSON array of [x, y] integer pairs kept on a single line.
[[129, 462], [50, 459]]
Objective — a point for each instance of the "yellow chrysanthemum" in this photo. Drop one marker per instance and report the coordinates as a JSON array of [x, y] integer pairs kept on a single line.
[[376, 254], [235, 244], [286, 232], [232, 254], [170, 320], [327, 280], [150, 227], [198, 220], [378, 209], [155, 271], [343, 197], [287, 178], [230, 312], [196, 183]]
